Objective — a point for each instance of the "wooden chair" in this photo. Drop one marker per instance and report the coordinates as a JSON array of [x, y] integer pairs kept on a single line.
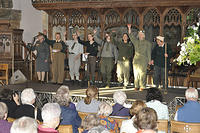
[[119, 119], [4, 70], [84, 114], [65, 129], [182, 127], [163, 125], [9, 119]]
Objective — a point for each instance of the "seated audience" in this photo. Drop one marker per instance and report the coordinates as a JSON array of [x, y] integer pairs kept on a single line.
[[104, 111], [24, 125], [154, 100], [11, 99], [4, 124], [27, 108], [127, 125], [69, 116], [89, 104], [91, 123], [190, 111], [146, 119], [118, 108], [51, 118]]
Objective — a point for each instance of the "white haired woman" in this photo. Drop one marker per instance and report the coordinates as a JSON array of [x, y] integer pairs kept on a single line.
[[27, 108], [51, 118], [69, 115], [90, 103], [4, 125], [24, 125], [104, 111], [118, 109], [91, 124]]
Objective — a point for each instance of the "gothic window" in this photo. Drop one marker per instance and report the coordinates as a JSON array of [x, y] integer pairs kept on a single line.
[[152, 17], [93, 19], [76, 19], [59, 19], [173, 16], [131, 17], [192, 16], [112, 19], [151, 24]]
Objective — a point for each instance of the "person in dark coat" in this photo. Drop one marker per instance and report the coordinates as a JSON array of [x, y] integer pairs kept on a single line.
[[42, 60], [158, 57], [118, 108], [91, 51], [69, 116], [11, 99], [27, 108]]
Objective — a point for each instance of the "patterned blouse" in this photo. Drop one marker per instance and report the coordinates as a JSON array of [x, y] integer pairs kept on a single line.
[[109, 123]]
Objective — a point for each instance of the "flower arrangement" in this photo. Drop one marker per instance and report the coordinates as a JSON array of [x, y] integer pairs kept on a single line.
[[190, 48]]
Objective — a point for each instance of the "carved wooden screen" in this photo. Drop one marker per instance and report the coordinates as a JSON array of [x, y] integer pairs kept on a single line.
[[112, 19], [192, 17], [132, 17], [93, 21], [172, 27], [151, 24], [59, 23]]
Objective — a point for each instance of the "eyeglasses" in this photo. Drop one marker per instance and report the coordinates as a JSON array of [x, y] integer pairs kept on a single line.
[[142, 31]]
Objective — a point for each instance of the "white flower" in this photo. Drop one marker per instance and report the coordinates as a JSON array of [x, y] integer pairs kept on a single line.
[[183, 49], [178, 44], [190, 40], [195, 28]]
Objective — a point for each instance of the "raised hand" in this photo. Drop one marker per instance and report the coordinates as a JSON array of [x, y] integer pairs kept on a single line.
[[94, 31]]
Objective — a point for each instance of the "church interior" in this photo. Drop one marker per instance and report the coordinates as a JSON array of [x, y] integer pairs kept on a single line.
[[21, 20]]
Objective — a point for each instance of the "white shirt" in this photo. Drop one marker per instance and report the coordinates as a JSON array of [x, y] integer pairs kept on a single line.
[[160, 108], [78, 48], [127, 126], [90, 108]]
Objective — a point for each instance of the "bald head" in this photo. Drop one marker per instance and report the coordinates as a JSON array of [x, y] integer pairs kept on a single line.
[[191, 94]]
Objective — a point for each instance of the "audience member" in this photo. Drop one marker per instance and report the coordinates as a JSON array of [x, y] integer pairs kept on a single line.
[[24, 125], [11, 99], [118, 109], [154, 100], [51, 118], [146, 119], [64, 90], [69, 116], [91, 123], [104, 111], [4, 125], [127, 125], [190, 111], [89, 104], [27, 108]]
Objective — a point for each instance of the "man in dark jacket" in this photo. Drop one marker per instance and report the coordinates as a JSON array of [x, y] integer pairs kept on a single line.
[[160, 52]]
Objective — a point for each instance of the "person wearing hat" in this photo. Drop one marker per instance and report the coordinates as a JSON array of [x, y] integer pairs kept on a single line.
[[160, 52], [141, 59], [75, 50], [43, 52], [58, 57]]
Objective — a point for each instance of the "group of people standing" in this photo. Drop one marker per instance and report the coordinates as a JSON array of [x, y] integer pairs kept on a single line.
[[110, 50]]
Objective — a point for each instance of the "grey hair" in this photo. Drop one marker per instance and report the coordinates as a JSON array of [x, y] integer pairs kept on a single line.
[[104, 109], [24, 125], [62, 96], [50, 111], [191, 94], [3, 110], [27, 96], [90, 121], [119, 97]]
